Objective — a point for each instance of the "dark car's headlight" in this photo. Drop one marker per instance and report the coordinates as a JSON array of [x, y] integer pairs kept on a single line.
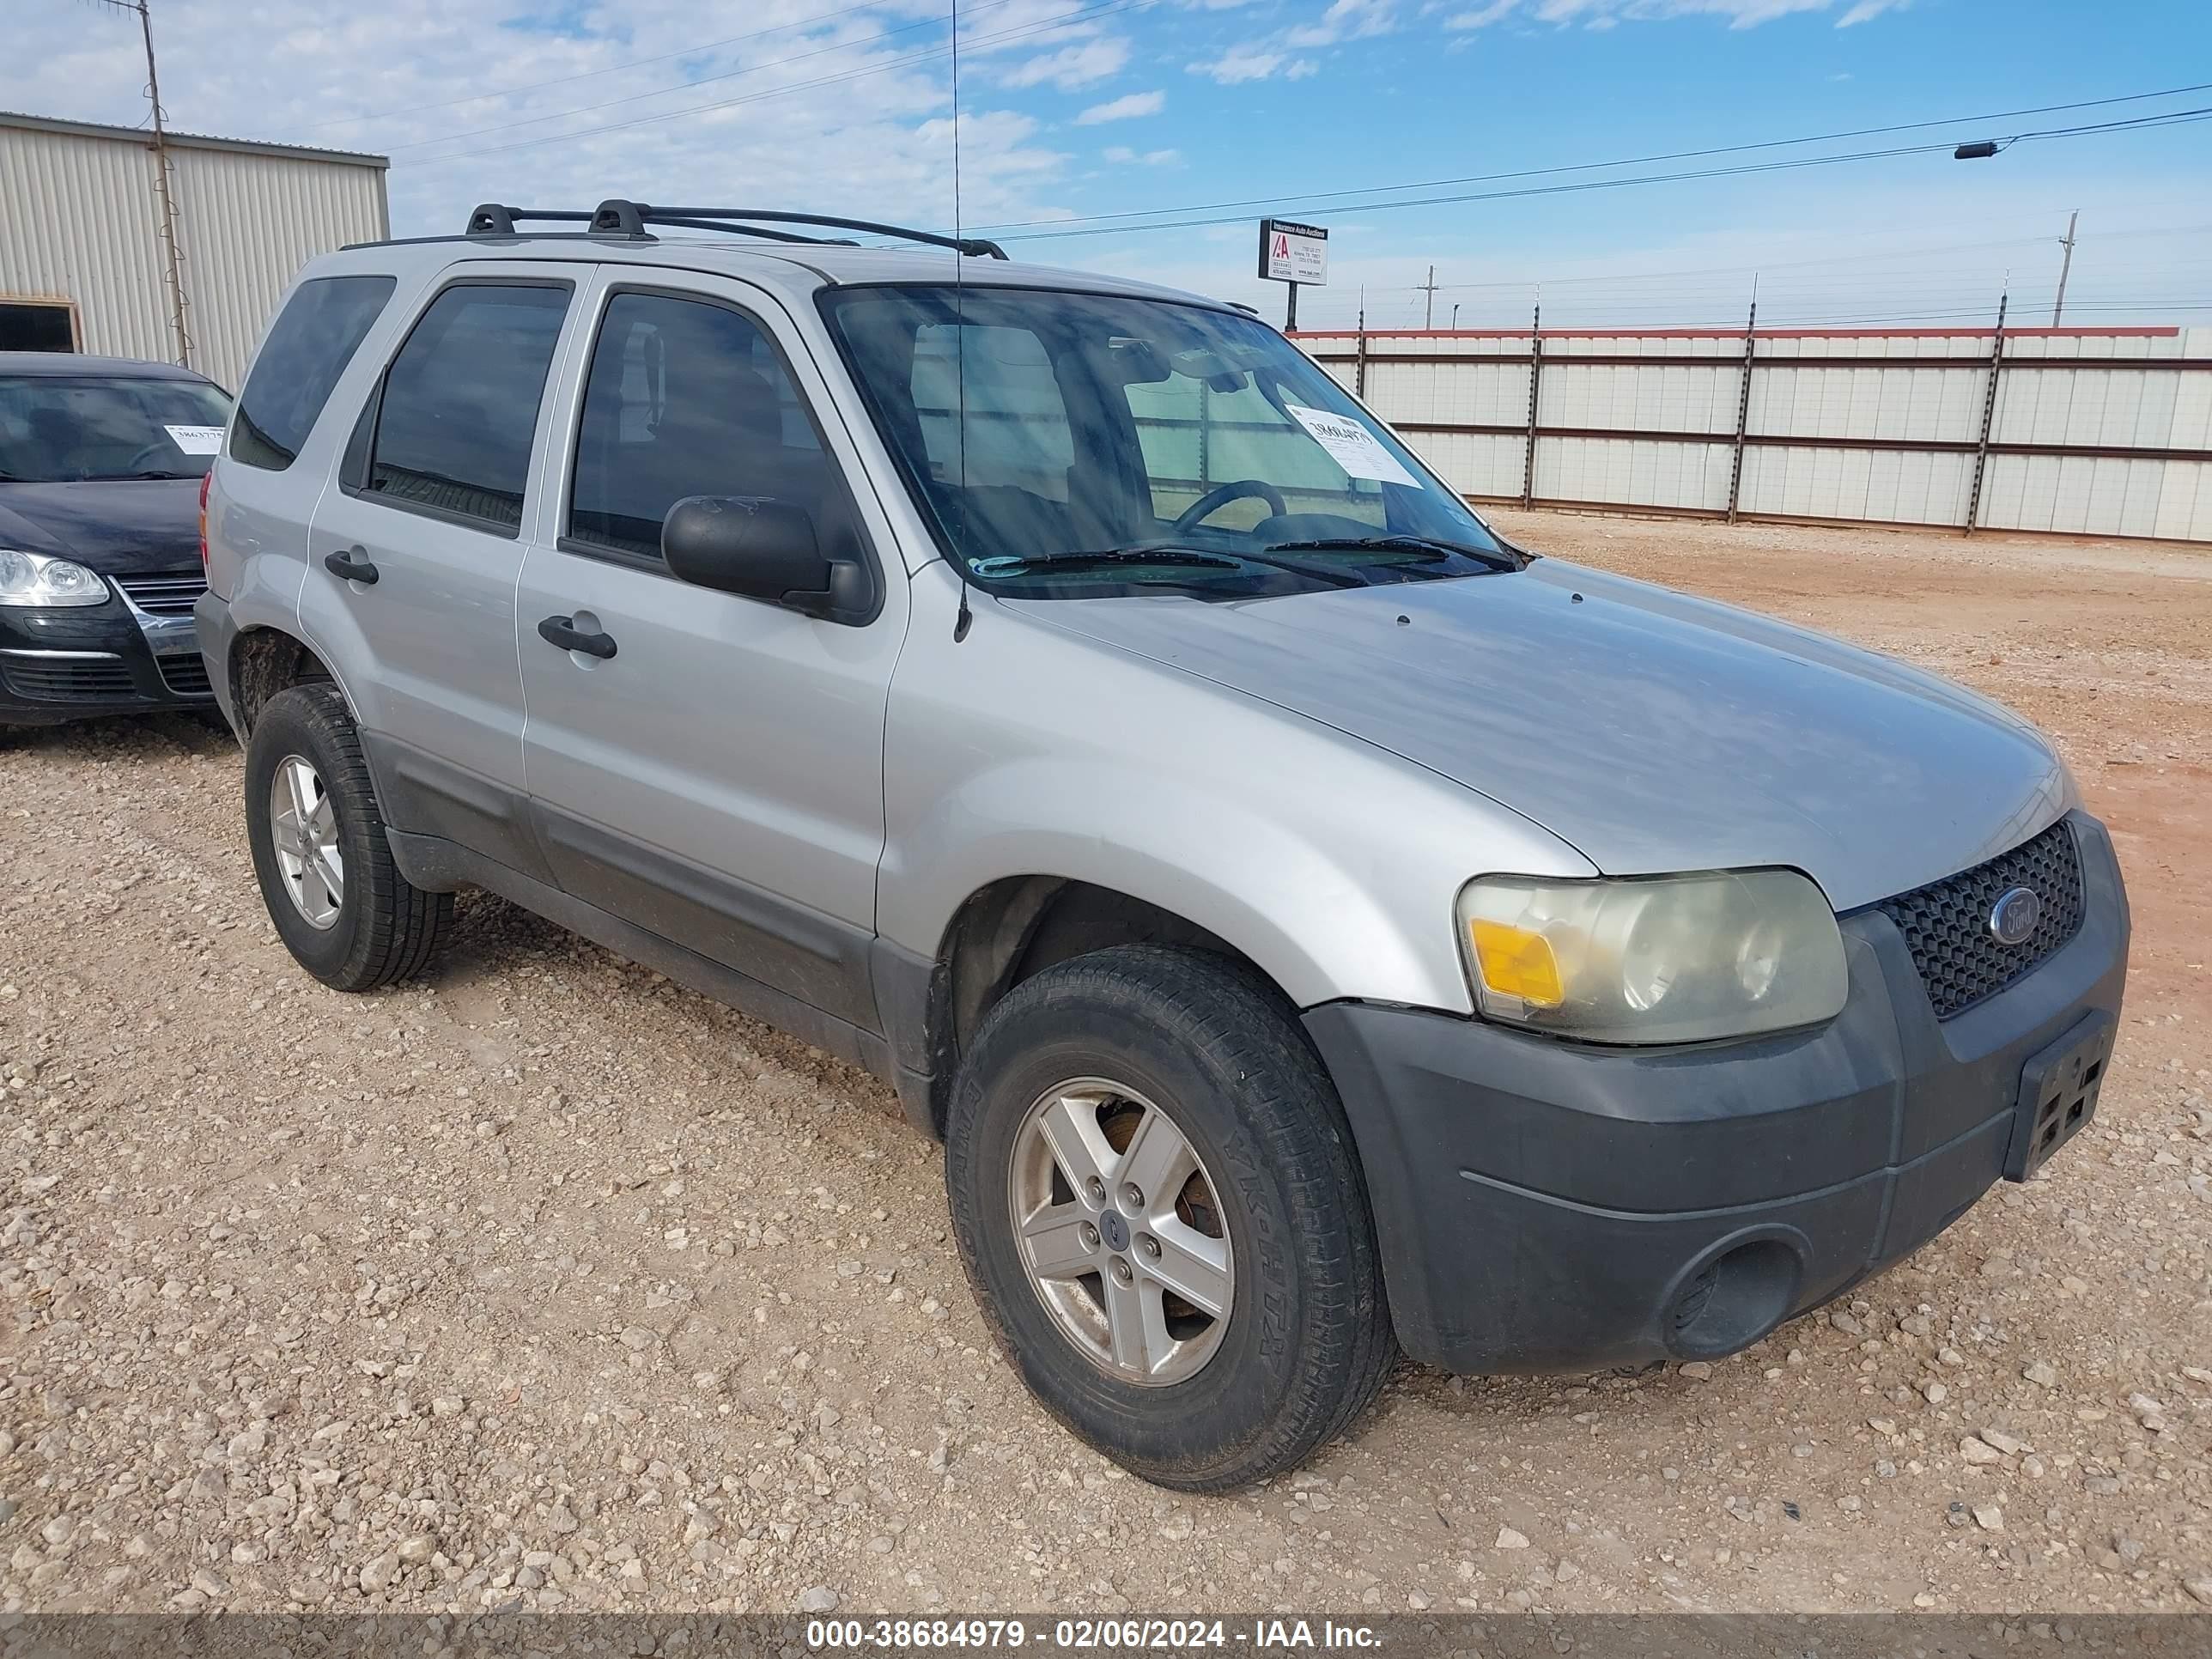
[[40, 578], [1667, 959]]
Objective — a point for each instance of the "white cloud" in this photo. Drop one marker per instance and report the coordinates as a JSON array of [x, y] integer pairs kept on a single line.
[[1122, 155], [1241, 63], [550, 101], [1083, 65], [1606, 14], [1127, 107], [1346, 20]]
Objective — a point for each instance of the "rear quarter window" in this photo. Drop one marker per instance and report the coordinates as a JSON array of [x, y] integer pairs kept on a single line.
[[309, 345]]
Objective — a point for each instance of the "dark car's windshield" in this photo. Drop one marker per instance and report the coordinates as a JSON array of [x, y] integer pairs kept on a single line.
[[58, 428], [1074, 444]]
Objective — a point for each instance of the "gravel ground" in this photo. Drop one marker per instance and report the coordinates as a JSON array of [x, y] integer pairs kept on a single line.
[[544, 1284]]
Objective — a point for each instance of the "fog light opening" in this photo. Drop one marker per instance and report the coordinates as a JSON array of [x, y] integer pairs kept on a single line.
[[1734, 1299]]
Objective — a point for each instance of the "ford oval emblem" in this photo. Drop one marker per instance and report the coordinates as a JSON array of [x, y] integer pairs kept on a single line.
[[2014, 916]]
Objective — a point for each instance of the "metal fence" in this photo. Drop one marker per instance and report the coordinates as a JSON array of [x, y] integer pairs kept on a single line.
[[2086, 431]]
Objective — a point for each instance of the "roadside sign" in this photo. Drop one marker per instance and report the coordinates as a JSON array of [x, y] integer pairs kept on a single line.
[[1291, 253]]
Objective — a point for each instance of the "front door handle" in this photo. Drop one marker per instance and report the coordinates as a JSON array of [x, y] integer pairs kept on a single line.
[[351, 565], [561, 631]]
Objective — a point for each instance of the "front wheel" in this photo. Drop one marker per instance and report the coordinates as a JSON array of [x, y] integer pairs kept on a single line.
[[1159, 1204], [339, 902]]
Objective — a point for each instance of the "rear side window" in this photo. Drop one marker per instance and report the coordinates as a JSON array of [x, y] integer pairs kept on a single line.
[[308, 347], [685, 397], [460, 403]]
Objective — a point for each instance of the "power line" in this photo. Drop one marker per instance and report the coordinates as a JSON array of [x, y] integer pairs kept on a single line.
[[1588, 167], [2173, 118], [1058, 20]]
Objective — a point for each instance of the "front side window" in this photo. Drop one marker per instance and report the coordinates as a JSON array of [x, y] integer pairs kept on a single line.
[[1070, 445], [458, 410], [308, 347], [687, 397], [67, 428]]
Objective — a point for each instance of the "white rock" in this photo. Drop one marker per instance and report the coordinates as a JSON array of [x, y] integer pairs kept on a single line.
[[1975, 1451], [1509, 1540], [378, 1573], [819, 1599], [1988, 1517]]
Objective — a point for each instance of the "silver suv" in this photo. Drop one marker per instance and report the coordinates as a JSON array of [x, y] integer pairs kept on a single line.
[[1316, 926]]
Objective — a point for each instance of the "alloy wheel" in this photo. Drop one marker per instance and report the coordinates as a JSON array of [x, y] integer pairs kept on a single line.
[[1121, 1231], [303, 831]]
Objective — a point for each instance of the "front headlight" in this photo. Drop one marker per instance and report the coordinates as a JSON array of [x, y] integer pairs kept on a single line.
[[37, 578], [1669, 959]]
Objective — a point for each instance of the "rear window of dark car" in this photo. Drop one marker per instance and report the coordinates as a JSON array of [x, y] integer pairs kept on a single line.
[[308, 347]]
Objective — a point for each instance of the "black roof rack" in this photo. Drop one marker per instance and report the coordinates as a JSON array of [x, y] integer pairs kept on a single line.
[[618, 216]]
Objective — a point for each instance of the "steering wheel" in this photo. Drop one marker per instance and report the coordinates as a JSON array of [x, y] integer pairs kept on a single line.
[[1221, 495]]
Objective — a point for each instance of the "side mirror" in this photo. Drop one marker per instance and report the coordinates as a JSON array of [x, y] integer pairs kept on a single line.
[[759, 548]]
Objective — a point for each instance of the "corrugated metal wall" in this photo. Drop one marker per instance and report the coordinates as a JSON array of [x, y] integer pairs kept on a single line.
[[79, 219], [2093, 431]]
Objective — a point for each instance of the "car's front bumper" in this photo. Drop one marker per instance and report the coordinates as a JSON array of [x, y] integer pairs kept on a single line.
[[72, 662], [1549, 1206]]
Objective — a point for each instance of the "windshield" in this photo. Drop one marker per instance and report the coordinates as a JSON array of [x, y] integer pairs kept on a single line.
[[1070, 445], [64, 429]]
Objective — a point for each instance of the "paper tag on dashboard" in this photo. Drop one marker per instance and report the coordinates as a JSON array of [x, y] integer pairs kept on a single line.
[[196, 439], [1352, 446]]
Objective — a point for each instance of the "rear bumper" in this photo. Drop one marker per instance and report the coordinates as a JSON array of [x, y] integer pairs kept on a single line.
[[75, 662], [217, 633], [1544, 1206]]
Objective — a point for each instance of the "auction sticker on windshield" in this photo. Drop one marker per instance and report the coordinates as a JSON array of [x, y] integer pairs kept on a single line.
[[1351, 446], [197, 439]]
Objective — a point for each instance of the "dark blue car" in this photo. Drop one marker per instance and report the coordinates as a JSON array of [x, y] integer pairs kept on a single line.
[[102, 460]]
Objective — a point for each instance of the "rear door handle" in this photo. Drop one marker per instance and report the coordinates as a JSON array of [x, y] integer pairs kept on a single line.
[[561, 631], [351, 567]]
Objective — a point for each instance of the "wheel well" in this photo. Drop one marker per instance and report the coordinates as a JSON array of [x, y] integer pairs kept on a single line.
[[264, 662], [1016, 929]]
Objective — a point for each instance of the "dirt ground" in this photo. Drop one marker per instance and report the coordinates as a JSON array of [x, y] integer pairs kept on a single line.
[[542, 1283]]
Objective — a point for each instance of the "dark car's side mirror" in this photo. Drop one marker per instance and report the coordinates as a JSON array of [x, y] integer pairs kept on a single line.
[[761, 548]]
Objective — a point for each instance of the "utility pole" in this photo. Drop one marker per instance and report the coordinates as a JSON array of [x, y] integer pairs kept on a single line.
[[1429, 318], [2064, 266], [172, 273]]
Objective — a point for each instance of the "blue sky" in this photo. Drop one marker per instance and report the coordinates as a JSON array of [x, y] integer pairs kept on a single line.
[[1073, 109]]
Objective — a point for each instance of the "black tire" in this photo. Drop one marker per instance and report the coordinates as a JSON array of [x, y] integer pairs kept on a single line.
[[1307, 1341], [387, 929]]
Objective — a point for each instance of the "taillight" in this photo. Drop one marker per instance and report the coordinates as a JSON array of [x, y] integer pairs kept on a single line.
[[206, 479]]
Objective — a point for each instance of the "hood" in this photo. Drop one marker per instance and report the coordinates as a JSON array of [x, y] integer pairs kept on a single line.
[[118, 526], [1652, 731]]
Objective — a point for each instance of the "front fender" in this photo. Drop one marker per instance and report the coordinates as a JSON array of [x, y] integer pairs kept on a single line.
[[1331, 863]]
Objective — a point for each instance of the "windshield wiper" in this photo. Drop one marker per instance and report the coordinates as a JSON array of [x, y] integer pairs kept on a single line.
[[1006, 563], [1496, 558], [1159, 553], [142, 477]]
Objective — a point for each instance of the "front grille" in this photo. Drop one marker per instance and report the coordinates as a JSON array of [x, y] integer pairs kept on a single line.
[[171, 595], [185, 676], [60, 680], [1946, 924]]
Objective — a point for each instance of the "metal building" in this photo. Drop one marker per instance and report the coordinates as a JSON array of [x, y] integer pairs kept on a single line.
[[85, 264]]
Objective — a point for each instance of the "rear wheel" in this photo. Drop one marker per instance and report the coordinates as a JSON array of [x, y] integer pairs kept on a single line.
[[340, 905], [1159, 1204]]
